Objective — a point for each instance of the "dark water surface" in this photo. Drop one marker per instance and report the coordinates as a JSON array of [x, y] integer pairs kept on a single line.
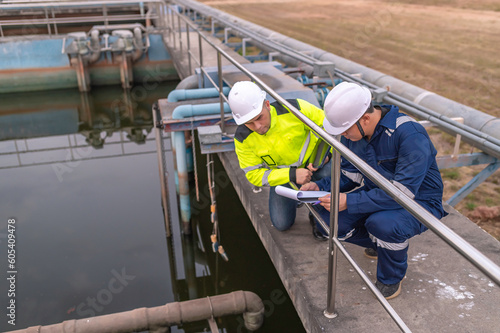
[[79, 176]]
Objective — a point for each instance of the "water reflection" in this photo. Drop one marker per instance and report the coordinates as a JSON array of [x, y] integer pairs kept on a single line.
[[79, 174]]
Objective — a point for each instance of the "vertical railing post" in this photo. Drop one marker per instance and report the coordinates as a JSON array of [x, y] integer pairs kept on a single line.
[[201, 60], [105, 14], [332, 248], [54, 20], [221, 99], [180, 32], [188, 49], [161, 167], [172, 25], [48, 22]]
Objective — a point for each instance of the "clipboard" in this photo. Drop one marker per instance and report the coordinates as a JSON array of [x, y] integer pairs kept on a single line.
[[302, 196]]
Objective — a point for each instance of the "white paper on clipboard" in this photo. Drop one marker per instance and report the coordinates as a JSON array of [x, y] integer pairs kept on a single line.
[[303, 196]]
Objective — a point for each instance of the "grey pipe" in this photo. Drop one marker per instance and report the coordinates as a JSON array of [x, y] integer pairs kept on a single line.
[[474, 118], [190, 82], [95, 46], [139, 45], [171, 314], [471, 135]]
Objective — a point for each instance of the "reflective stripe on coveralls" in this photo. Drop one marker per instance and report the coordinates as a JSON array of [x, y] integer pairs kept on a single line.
[[388, 245]]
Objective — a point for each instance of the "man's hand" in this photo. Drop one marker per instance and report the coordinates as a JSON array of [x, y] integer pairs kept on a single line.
[[311, 168], [312, 186], [303, 176], [325, 202]]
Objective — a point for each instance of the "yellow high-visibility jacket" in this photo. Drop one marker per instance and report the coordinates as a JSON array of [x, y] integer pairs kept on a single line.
[[271, 159]]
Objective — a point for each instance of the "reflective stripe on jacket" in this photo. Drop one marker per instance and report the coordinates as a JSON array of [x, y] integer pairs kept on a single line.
[[267, 159], [401, 151]]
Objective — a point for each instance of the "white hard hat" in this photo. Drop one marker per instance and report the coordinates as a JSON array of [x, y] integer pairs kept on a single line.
[[245, 100], [344, 106]]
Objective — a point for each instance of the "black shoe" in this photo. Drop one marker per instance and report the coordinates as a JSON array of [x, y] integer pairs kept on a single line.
[[371, 253], [389, 291], [318, 235], [311, 220]]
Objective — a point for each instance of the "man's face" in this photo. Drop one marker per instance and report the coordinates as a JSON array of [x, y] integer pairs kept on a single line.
[[261, 123], [353, 133]]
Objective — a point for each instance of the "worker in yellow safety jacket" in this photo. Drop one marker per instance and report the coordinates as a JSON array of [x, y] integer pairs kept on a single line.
[[274, 147]]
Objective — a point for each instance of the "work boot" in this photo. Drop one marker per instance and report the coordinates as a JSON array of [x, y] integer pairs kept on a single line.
[[389, 291], [317, 234], [371, 253]]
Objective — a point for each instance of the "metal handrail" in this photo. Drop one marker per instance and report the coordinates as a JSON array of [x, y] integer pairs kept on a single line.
[[477, 258], [98, 4], [489, 144], [329, 312], [74, 3], [483, 263]]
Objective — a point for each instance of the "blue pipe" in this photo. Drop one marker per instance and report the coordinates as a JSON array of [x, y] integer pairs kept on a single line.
[[188, 110], [180, 112], [305, 80], [184, 94], [182, 174]]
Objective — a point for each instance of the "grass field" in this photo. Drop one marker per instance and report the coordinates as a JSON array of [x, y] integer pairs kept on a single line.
[[450, 47]]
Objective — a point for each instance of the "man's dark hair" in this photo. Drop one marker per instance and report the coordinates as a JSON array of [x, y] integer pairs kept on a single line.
[[370, 108]]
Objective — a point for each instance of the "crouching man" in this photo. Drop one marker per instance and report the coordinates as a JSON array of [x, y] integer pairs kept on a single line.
[[274, 147], [397, 147]]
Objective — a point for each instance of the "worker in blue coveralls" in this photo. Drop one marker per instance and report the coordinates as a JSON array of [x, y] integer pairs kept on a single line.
[[397, 147]]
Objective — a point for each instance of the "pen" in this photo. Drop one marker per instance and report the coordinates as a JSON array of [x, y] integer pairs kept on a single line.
[[317, 202]]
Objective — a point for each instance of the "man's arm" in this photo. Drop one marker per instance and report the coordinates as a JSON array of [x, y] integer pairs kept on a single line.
[[312, 112], [350, 178], [414, 160], [259, 174]]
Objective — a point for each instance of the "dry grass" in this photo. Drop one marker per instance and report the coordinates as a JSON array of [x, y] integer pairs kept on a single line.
[[451, 47], [439, 47]]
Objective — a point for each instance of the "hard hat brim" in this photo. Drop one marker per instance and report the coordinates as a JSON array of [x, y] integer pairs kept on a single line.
[[334, 130]]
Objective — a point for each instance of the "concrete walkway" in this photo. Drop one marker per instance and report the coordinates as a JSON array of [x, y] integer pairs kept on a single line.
[[441, 293]]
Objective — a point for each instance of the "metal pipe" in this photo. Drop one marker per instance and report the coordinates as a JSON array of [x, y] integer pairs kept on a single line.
[[139, 45], [61, 4], [190, 83], [183, 179], [180, 33], [161, 169], [487, 146], [181, 112], [221, 100], [95, 46], [185, 94], [184, 111], [332, 249], [189, 50], [487, 266], [486, 142], [143, 319], [201, 58]]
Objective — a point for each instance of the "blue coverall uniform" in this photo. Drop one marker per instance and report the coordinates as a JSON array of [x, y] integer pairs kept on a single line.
[[400, 150]]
